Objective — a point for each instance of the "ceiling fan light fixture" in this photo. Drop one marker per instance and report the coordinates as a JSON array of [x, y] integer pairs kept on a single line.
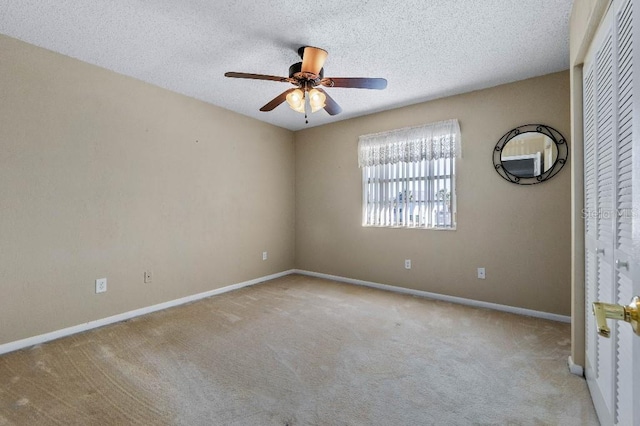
[[295, 100], [317, 100], [306, 75]]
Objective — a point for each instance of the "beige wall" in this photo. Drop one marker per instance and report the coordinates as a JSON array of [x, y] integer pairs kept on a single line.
[[104, 176], [585, 17], [520, 234]]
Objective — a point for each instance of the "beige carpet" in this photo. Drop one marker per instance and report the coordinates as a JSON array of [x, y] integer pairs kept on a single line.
[[302, 351]]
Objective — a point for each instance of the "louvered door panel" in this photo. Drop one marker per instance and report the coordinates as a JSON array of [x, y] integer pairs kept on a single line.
[[624, 365], [624, 130], [623, 283], [605, 133], [591, 295], [590, 212], [606, 347], [612, 190], [605, 98], [590, 154]]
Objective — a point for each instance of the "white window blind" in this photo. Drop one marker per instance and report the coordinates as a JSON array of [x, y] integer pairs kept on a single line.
[[408, 176]]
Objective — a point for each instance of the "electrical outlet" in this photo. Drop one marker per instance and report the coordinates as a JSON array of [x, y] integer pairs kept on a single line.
[[101, 285], [481, 274], [147, 276], [407, 264], [264, 255]]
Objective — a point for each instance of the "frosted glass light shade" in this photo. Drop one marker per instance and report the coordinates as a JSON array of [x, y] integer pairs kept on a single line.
[[317, 100], [295, 100]]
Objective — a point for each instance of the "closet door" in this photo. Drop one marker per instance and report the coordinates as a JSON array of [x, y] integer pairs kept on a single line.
[[627, 162], [598, 119], [611, 224]]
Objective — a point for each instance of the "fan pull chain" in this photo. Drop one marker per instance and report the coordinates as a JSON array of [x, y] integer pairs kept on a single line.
[[306, 102]]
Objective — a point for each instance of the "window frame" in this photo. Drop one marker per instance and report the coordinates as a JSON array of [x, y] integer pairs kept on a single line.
[[404, 174]]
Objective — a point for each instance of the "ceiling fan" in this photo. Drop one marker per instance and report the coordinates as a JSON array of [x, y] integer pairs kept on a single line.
[[308, 76]]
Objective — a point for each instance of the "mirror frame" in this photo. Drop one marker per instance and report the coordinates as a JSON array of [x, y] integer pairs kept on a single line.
[[553, 134]]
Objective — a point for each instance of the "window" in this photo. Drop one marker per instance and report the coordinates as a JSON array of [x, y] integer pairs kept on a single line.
[[408, 176]]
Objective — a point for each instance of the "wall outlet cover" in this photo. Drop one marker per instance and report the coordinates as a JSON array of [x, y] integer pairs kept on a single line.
[[481, 273], [101, 285]]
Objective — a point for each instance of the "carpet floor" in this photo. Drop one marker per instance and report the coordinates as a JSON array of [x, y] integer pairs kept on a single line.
[[302, 351]]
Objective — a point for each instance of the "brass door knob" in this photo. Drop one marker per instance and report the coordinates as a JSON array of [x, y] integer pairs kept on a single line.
[[629, 313]]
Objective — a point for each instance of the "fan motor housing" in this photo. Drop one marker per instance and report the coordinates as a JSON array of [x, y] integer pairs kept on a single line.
[[295, 71]]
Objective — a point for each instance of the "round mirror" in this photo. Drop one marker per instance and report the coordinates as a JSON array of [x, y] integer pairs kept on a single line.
[[530, 154]]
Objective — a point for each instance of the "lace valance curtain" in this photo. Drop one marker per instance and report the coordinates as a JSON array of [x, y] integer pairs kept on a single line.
[[411, 144]]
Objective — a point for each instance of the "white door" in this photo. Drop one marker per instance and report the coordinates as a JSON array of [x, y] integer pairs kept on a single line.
[[611, 99]]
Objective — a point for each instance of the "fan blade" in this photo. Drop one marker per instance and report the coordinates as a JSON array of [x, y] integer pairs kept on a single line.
[[355, 83], [276, 101], [313, 59], [256, 76], [330, 106]]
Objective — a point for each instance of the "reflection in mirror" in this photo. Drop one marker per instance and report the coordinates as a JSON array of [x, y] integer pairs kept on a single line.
[[529, 154]]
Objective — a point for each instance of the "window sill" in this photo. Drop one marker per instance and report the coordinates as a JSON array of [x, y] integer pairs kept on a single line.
[[410, 227]]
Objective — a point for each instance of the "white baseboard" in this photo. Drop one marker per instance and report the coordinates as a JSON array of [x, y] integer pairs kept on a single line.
[[574, 368], [436, 296], [35, 340], [42, 338]]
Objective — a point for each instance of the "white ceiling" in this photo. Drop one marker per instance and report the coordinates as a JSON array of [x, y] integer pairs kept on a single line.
[[426, 49]]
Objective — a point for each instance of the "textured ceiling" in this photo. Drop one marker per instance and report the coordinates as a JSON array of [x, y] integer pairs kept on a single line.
[[425, 48]]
